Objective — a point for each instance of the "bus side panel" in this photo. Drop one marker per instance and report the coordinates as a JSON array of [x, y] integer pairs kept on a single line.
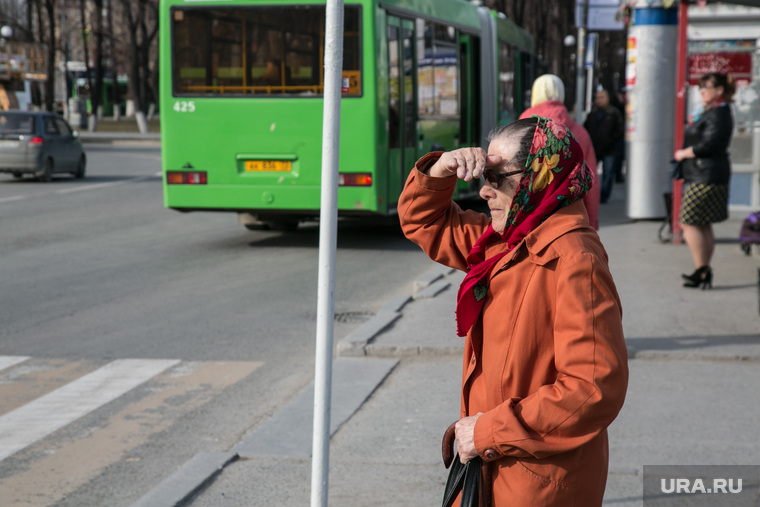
[[220, 135]]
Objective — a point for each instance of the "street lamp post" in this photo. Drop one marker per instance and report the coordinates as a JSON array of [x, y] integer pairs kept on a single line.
[[580, 78]]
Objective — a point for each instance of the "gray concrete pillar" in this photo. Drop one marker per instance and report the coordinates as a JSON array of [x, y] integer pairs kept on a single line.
[[651, 78]]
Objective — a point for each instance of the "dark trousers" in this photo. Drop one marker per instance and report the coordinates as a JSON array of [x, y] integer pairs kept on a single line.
[[608, 176]]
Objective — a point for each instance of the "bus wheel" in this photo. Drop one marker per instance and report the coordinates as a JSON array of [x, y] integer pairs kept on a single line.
[[284, 225], [47, 173], [18, 176]]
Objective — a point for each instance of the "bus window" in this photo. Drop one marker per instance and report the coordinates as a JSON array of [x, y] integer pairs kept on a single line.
[[437, 72], [506, 83], [393, 88], [258, 50]]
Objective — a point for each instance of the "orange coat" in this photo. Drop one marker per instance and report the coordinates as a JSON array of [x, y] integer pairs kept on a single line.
[[546, 362]]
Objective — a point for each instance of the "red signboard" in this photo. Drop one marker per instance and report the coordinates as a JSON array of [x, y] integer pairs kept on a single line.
[[739, 65]]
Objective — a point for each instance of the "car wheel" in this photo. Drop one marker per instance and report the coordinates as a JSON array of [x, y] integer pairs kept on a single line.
[[79, 173], [47, 173]]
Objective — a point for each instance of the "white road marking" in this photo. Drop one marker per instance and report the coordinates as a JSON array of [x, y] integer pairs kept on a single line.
[[101, 185], [8, 361], [14, 198], [41, 417]]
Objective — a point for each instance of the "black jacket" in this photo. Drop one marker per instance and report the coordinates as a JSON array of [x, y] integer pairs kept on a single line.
[[709, 137], [605, 128]]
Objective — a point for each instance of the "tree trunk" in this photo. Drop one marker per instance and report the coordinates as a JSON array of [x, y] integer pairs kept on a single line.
[[97, 90], [50, 83], [85, 45]]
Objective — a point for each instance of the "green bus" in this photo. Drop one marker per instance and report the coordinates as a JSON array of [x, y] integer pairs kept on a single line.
[[241, 93]]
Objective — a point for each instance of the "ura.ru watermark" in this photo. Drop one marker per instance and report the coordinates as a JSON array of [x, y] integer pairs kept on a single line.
[[701, 485], [687, 485]]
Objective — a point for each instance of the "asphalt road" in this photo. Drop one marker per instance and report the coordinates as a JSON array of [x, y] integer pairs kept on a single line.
[[96, 273]]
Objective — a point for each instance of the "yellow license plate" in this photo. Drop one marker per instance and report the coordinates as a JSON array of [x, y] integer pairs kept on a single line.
[[268, 165]]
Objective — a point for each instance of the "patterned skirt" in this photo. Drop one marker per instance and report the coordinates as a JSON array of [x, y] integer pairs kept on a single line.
[[704, 203]]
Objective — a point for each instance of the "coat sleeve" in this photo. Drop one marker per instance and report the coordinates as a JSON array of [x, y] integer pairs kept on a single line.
[[591, 372], [433, 221]]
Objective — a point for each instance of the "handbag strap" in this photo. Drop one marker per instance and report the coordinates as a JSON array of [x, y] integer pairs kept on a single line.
[[454, 482], [464, 478]]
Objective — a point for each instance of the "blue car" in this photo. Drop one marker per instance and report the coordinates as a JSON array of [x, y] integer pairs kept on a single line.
[[40, 144]]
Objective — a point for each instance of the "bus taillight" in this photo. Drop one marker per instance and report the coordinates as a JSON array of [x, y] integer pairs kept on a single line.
[[355, 179], [186, 177]]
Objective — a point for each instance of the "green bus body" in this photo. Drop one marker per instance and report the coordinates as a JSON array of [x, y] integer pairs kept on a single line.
[[241, 119]]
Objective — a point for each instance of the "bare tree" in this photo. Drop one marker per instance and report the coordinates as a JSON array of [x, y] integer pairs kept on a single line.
[[92, 32], [85, 32], [549, 22], [49, 6], [141, 20]]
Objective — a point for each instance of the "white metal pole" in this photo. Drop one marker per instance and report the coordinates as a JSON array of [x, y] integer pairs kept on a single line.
[[328, 225], [580, 61]]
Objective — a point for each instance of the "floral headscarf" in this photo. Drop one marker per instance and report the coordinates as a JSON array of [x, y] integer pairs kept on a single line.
[[555, 175]]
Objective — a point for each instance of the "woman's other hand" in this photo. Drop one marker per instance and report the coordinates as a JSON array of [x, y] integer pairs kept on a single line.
[[465, 163], [684, 153], [465, 437]]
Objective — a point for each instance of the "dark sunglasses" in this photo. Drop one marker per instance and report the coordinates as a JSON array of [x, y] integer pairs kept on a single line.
[[496, 179]]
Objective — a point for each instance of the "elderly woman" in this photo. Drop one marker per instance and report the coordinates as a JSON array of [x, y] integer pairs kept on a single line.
[[545, 366]]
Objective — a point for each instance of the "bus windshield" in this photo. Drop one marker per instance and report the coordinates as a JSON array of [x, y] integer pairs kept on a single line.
[[260, 50]]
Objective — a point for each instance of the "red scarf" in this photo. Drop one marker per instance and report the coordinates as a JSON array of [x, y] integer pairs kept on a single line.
[[555, 176]]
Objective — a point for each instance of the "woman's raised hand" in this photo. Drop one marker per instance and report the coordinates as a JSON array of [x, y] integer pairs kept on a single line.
[[465, 163]]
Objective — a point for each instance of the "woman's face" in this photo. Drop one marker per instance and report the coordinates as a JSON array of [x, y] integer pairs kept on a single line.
[[710, 92], [499, 199]]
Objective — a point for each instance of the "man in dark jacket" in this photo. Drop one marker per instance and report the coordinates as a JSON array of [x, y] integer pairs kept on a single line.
[[605, 126]]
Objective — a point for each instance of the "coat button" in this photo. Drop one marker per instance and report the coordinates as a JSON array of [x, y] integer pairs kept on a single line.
[[490, 454]]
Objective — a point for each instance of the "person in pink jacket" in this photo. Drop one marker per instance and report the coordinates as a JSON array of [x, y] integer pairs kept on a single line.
[[547, 99], [545, 366]]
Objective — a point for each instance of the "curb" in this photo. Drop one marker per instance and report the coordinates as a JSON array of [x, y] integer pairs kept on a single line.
[[284, 434], [123, 139], [188, 480], [288, 433], [362, 342]]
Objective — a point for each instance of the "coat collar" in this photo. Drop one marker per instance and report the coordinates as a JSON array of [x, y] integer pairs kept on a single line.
[[538, 243]]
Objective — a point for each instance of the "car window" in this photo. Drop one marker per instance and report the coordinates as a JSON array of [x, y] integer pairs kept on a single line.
[[16, 123], [50, 128], [63, 128]]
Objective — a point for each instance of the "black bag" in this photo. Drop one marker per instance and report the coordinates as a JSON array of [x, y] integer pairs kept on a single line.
[[676, 169], [464, 478]]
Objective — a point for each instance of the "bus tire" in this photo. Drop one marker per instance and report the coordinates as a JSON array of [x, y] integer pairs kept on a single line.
[[283, 225]]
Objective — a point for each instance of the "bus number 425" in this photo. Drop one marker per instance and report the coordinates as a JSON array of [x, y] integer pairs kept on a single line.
[[184, 106]]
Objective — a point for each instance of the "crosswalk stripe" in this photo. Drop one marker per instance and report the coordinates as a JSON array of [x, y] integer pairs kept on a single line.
[[57, 466], [8, 361], [43, 416]]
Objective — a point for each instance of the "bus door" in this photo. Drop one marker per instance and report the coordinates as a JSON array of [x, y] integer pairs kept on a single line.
[[402, 125], [469, 114]]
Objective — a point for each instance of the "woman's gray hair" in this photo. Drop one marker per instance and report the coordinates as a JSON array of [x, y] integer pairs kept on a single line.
[[523, 131]]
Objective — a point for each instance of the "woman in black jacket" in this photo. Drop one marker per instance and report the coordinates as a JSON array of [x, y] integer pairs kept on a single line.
[[706, 173]]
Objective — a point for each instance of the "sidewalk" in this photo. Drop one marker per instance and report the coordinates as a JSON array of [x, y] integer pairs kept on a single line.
[[692, 397], [120, 138]]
